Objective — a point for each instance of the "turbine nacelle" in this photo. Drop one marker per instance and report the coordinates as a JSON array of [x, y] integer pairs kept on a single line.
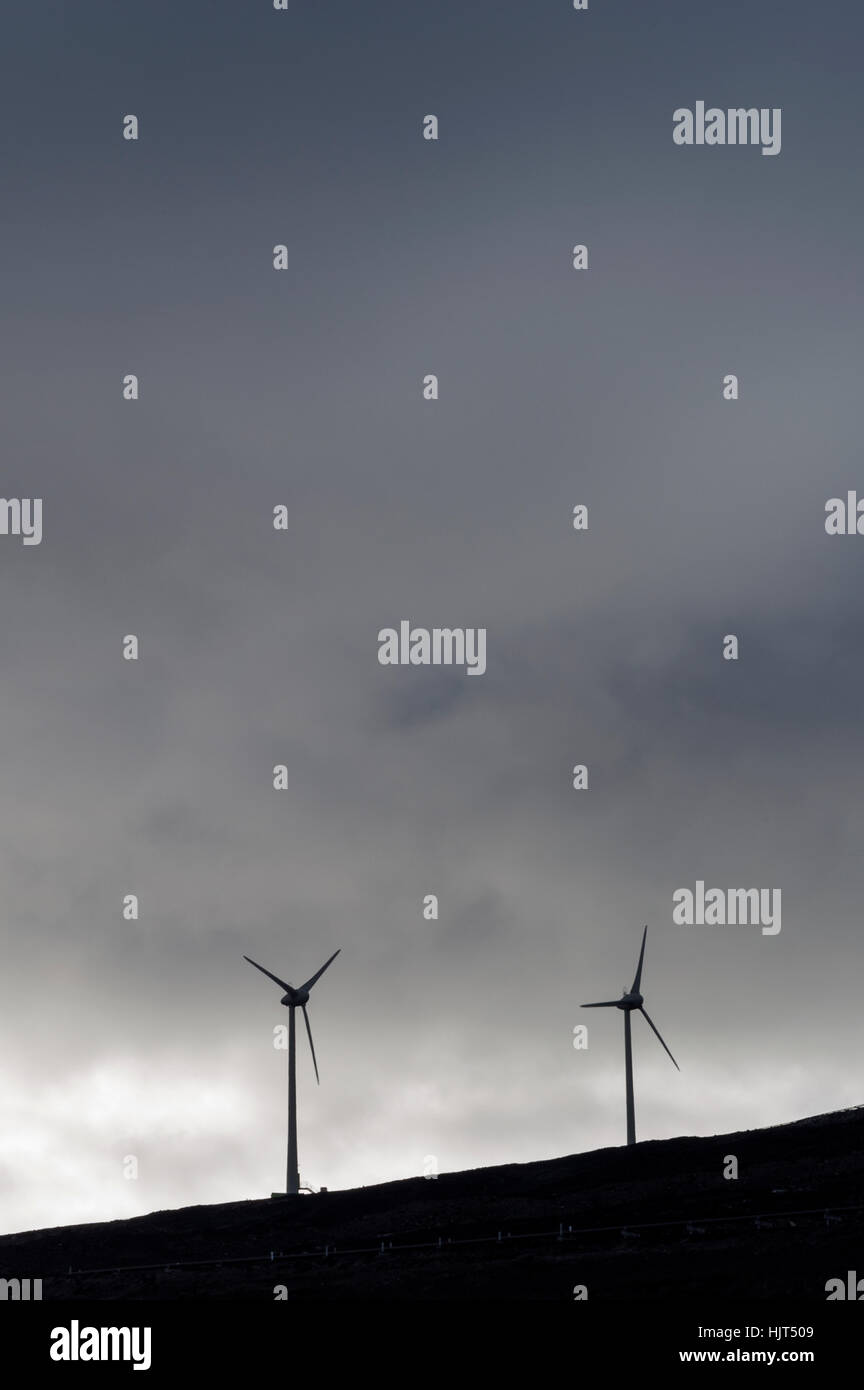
[[630, 1001], [296, 998]]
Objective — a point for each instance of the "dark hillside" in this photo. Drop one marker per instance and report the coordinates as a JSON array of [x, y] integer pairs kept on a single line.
[[652, 1222]]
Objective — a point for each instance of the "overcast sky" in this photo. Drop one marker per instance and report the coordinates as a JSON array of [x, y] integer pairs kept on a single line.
[[451, 1038]]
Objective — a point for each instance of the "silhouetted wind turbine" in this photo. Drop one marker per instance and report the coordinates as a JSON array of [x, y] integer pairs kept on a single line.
[[295, 998], [629, 1001]]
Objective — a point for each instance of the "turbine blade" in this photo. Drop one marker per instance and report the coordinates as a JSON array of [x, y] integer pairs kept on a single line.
[[647, 1020], [275, 978], [604, 1004], [319, 973], [312, 1045], [638, 980]]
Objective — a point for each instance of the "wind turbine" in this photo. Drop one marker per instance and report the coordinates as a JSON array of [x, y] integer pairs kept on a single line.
[[631, 999], [295, 998]]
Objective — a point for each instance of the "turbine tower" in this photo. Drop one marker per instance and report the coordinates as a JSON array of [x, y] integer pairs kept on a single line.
[[295, 998], [631, 999]]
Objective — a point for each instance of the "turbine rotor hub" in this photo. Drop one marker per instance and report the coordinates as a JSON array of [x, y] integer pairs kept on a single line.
[[297, 996], [631, 1001]]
